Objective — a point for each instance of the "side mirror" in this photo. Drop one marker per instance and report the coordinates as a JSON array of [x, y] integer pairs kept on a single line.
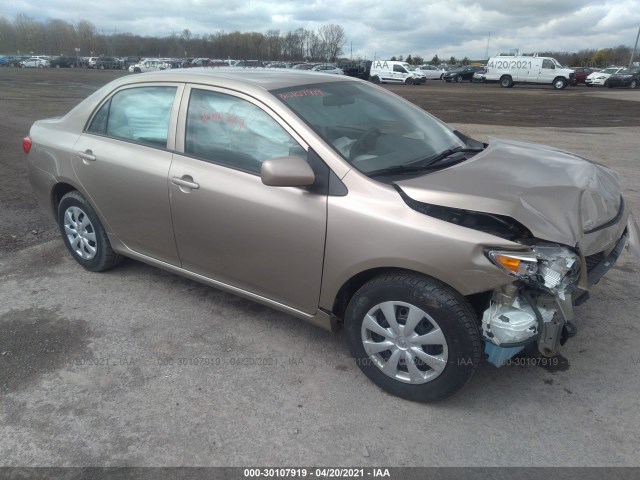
[[287, 172]]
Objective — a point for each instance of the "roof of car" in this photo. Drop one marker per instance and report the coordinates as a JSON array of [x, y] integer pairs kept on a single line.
[[268, 79]]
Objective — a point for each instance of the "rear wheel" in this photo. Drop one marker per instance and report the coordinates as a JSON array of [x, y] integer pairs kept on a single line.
[[458, 79], [375, 79], [84, 235], [413, 336], [633, 84], [506, 81]]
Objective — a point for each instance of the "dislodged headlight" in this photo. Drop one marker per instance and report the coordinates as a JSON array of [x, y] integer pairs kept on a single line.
[[551, 266]]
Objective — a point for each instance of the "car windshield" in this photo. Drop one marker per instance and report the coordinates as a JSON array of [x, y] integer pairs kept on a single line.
[[370, 128]]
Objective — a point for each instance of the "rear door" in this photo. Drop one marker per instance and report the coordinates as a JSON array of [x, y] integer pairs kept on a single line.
[[122, 160], [229, 226]]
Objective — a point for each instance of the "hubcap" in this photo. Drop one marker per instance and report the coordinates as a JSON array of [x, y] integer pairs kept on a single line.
[[404, 342], [80, 233]]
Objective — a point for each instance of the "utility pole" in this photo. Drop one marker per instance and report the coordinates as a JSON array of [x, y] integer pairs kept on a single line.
[[634, 49], [488, 40]]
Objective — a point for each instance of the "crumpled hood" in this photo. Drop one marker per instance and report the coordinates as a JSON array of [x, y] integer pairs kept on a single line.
[[556, 195]]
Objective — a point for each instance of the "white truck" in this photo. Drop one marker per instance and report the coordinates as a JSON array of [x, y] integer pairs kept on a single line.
[[391, 71], [509, 70]]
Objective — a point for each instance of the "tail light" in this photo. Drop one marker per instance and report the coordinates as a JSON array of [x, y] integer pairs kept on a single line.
[[26, 144]]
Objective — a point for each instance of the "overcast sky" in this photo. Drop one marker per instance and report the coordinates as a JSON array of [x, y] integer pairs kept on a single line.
[[375, 28]]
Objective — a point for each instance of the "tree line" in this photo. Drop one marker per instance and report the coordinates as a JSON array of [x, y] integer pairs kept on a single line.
[[26, 36], [619, 55], [54, 37]]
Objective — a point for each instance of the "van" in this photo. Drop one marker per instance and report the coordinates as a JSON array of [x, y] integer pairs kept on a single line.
[[390, 71], [509, 70]]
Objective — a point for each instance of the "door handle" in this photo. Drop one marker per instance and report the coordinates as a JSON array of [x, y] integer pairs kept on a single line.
[[185, 182], [86, 156]]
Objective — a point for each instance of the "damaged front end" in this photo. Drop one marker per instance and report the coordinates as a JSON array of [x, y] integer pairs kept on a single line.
[[538, 306]]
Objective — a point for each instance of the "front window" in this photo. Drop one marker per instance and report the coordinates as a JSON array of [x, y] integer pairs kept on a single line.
[[231, 131], [371, 129]]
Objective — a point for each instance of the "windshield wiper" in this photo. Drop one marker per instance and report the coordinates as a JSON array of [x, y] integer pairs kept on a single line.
[[424, 164], [398, 170], [450, 152]]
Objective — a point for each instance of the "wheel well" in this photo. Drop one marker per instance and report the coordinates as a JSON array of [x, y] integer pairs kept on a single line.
[[478, 301], [59, 191]]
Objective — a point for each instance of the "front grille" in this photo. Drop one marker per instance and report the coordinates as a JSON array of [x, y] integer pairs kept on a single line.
[[593, 260]]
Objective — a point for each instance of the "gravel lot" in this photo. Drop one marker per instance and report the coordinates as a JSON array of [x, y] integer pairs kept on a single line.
[[139, 367]]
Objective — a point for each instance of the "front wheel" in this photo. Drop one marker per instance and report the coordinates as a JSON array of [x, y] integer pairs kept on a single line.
[[458, 79], [559, 83], [413, 336], [633, 84], [84, 235], [409, 81]]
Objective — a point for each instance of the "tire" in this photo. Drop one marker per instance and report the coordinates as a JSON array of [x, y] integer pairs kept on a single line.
[[633, 84], [101, 67], [84, 235], [409, 81], [137, 70], [559, 83], [375, 79], [433, 309], [458, 79], [506, 81]]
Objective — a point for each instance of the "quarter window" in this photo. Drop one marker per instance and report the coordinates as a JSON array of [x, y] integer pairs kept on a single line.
[[234, 132], [140, 115]]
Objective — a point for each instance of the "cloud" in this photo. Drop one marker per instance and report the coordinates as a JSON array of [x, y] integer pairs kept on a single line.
[[374, 27]]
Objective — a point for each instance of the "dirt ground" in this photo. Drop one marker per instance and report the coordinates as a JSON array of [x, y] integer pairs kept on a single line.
[[29, 95], [140, 367]]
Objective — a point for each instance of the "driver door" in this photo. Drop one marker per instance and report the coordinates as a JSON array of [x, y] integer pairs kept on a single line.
[[229, 226]]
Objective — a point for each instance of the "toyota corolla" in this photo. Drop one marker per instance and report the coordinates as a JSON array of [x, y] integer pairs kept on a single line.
[[340, 203]]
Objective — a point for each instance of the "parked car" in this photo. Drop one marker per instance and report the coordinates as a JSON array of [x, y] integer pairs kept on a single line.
[[13, 61], [432, 72], [277, 65], [340, 203], [35, 62], [248, 63], [327, 68], [109, 63], [63, 61], [600, 78], [148, 65], [479, 76], [628, 77], [92, 62], [581, 74], [460, 74], [302, 66], [128, 61]]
